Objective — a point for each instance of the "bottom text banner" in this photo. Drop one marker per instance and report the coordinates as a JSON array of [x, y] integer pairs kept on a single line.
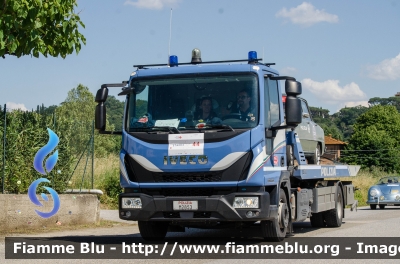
[[122, 247]]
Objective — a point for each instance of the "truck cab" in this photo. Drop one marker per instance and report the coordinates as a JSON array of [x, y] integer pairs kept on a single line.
[[204, 144]]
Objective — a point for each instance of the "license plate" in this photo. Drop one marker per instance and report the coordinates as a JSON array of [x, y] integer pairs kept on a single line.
[[185, 205], [395, 191], [389, 204]]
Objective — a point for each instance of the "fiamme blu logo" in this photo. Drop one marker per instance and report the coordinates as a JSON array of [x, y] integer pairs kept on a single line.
[[38, 165]]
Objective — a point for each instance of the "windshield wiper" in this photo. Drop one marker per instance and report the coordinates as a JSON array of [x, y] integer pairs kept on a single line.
[[172, 130], [223, 127]]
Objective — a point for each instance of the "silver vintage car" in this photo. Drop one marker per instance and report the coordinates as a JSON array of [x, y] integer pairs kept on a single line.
[[385, 192], [311, 136]]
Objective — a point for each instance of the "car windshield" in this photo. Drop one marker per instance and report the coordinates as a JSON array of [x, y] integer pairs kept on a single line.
[[389, 180], [222, 102]]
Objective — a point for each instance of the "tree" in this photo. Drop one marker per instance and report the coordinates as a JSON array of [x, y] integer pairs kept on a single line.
[[376, 139], [31, 27], [45, 110], [319, 112], [79, 108], [395, 101], [346, 118], [115, 111]]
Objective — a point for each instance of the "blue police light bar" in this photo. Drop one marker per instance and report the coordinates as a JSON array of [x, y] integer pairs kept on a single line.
[[252, 56], [173, 61]]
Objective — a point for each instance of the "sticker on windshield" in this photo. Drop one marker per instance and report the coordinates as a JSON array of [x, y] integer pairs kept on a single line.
[[167, 123], [186, 144]]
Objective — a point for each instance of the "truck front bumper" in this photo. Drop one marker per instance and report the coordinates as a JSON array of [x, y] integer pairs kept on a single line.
[[211, 208]]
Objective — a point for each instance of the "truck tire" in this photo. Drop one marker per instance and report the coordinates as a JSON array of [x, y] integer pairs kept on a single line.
[[317, 220], [275, 230], [289, 155], [382, 206], [316, 158], [334, 216], [372, 206], [152, 231]]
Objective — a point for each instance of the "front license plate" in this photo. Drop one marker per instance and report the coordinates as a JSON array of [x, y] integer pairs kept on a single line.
[[185, 205], [395, 191], [389, 204]]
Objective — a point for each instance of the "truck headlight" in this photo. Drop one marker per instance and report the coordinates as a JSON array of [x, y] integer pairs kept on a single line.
[[131, 203], [245, 202], [373, 192]]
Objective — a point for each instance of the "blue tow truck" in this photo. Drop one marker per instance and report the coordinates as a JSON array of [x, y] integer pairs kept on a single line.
[[204, 144]]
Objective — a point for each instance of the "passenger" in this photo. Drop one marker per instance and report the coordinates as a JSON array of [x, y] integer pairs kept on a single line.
[[206, 110], [244, 106], [389, 180]]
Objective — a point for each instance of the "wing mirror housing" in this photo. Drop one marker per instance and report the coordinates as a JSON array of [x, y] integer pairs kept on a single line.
[[100, 112], [293, 104]]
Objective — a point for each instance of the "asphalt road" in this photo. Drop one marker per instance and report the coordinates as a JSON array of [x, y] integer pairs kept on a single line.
[[363, 223]]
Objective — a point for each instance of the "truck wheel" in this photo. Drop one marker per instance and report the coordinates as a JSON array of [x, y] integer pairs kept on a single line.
[[382, 206], [372, 206], [289, 155], [317, 220], [334, 217], [152, 231], [316, 158], [275, 230]]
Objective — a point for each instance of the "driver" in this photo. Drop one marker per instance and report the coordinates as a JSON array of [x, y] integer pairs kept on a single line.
[[244, 107]]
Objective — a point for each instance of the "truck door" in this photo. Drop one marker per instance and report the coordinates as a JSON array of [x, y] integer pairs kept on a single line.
[[271, 111]]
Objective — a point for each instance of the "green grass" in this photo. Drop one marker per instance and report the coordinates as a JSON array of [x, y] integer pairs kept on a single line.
[[106, 178]]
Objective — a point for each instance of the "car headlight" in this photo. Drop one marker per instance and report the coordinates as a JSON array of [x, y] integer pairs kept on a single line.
[[245, 202], [131, 203], [373, 192]]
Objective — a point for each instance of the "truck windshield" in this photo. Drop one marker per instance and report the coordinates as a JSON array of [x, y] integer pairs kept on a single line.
[[209, 102]]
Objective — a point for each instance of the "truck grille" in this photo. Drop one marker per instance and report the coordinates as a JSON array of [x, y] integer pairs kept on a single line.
[[188, 177], [187, 192]]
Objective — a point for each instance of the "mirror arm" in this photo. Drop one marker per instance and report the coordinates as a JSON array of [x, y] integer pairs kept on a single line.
[[122, 84], [272, 131], [282, 127], [277, 78]]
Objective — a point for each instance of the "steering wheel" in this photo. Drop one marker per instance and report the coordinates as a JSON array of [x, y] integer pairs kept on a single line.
[[232, 116]]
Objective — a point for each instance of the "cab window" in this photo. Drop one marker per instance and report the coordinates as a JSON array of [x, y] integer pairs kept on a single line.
[[306, 113], [271, 103]]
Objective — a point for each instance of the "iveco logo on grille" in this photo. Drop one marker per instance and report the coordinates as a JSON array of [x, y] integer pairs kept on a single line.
[[184, 160]]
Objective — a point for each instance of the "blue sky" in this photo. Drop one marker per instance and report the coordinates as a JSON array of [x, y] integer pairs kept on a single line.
[[344, 52]]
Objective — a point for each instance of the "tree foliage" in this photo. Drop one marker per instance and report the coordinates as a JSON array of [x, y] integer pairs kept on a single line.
[[346, 117], [45, 110], [26, 134], [115, 112], [49, 27], [395, 101], [79, 106], [377, 138]]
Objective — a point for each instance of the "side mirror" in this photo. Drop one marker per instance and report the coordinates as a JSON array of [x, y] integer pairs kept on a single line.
[[292, 88], [101, 95], [100, 117], [293, 104], [100, 112]]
